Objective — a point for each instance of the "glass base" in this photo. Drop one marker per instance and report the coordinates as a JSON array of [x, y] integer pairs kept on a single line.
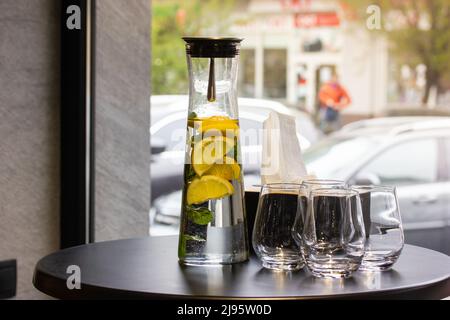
[[378, 264], [282, 263], [332, 270], [331, 274], [213, 260], [277, 266]]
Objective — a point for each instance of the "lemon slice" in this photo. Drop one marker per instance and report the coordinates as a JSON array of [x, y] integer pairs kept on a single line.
[[208, 151], [220, 123], [200, 168], [228, 170], [207, 188]]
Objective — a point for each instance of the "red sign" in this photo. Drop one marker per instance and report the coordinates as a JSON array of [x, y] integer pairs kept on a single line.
[[319, 19], [295, 4]]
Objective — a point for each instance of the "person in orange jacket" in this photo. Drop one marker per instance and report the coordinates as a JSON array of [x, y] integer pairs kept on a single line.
[[332, 98]]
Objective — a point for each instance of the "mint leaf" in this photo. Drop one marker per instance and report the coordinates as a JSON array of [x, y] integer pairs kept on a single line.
[[192, 115], [182, 246], [193, 238], [201, 216], [190, 174]]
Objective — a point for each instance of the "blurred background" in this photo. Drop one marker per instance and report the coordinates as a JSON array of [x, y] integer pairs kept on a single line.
[[367, 81], [400, 63]]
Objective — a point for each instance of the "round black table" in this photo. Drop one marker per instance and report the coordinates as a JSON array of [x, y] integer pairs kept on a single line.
[[148, 268]]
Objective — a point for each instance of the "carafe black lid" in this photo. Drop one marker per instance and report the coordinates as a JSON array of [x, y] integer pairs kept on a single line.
[[212, 47]]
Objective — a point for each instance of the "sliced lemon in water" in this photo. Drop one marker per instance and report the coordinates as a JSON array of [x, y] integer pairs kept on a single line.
[[220, 123], [207, 188], [229, 169], [208, 151]]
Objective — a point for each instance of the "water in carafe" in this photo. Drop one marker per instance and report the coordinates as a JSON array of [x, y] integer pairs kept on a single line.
[[213, 223]]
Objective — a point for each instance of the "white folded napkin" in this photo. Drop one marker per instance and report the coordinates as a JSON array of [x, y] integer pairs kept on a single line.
[[282, 159]]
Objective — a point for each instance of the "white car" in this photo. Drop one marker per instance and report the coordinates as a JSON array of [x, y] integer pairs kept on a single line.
[[168, 139]]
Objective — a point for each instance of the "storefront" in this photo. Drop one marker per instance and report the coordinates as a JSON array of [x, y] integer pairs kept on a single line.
[[292, 47]]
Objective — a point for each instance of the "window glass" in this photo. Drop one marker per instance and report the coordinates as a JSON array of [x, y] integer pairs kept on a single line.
[[251, 132], [275, 73], [412, 162], [329, 157], [246, 85], [446, 173], [173, 135]]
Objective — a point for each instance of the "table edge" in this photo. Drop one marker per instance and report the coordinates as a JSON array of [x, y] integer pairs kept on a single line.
[[41, 281]]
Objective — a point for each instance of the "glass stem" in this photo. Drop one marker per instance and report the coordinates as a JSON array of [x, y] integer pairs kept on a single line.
[[211, 82]]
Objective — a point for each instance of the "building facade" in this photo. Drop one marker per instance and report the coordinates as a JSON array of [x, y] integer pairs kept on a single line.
[[292, 47]]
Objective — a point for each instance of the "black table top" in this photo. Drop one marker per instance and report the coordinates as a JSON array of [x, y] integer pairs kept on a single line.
[[148, 268]]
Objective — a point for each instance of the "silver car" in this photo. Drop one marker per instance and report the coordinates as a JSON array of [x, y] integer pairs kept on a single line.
[[412, 153]]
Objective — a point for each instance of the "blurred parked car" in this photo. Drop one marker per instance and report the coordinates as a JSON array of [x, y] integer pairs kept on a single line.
[[412, 153], [168, 139]]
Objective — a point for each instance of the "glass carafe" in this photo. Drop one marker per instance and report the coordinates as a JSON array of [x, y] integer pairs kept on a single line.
[[213, 222]]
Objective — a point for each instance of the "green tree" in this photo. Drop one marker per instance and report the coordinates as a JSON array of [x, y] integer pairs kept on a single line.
[[419, 32], [173, 19]]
